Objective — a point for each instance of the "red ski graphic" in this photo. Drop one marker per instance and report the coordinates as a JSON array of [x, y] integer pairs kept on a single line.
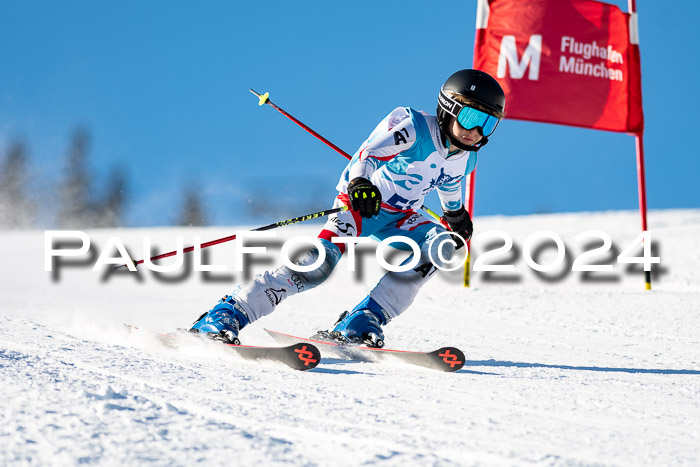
[[306, 356]]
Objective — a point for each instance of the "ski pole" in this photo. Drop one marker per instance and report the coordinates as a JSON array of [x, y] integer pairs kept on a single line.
[[294, 220], [265, 99]]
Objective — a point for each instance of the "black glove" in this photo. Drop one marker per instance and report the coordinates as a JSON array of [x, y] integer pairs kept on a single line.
[[364, 197], [460, 223]]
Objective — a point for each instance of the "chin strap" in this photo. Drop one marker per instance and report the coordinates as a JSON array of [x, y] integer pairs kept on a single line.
[[465, 147]]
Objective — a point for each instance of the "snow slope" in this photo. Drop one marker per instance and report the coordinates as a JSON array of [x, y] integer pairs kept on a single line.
[[560, 371]]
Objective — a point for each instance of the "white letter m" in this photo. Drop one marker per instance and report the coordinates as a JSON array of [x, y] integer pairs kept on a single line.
[[531, 57]]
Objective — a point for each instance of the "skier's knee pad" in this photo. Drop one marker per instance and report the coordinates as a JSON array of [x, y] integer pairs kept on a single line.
[[311, 279]]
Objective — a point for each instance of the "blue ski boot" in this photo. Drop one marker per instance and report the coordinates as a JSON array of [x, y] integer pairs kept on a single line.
[[223, 322], [362, 325]]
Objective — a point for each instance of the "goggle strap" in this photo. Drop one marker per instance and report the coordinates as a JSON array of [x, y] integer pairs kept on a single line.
[[450, 105]]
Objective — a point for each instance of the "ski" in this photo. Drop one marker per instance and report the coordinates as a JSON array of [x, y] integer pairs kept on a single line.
[[443, 359], [299, 355]]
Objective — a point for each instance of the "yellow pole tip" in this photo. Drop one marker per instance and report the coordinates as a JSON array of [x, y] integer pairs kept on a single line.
[[647, 286], [264, 98]]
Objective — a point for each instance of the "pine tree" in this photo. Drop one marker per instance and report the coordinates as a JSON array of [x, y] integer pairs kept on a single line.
[[75, 208], [192, 211], [111, 210], [16, 207]]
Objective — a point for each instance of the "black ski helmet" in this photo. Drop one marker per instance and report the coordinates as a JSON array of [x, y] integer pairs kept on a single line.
[[476, 87]]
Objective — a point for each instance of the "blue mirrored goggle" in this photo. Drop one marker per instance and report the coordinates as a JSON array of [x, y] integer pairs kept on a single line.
[[471, 118], [468, 117]]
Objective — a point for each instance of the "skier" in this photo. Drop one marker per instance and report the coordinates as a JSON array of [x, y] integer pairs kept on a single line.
[[408, 155]]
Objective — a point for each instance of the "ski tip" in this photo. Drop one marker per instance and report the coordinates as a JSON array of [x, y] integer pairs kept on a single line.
[[449, 359], [305, 356]]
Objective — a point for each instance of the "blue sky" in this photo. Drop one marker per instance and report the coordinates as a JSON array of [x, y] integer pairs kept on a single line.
[[163, 89]]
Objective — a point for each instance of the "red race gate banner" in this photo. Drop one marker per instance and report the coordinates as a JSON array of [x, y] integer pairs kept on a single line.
[[571, 62]]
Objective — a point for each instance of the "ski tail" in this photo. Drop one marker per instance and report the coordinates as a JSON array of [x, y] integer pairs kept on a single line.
[[297, 355]]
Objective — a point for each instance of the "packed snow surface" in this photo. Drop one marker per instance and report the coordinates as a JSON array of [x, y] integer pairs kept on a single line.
[[563, 368]]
